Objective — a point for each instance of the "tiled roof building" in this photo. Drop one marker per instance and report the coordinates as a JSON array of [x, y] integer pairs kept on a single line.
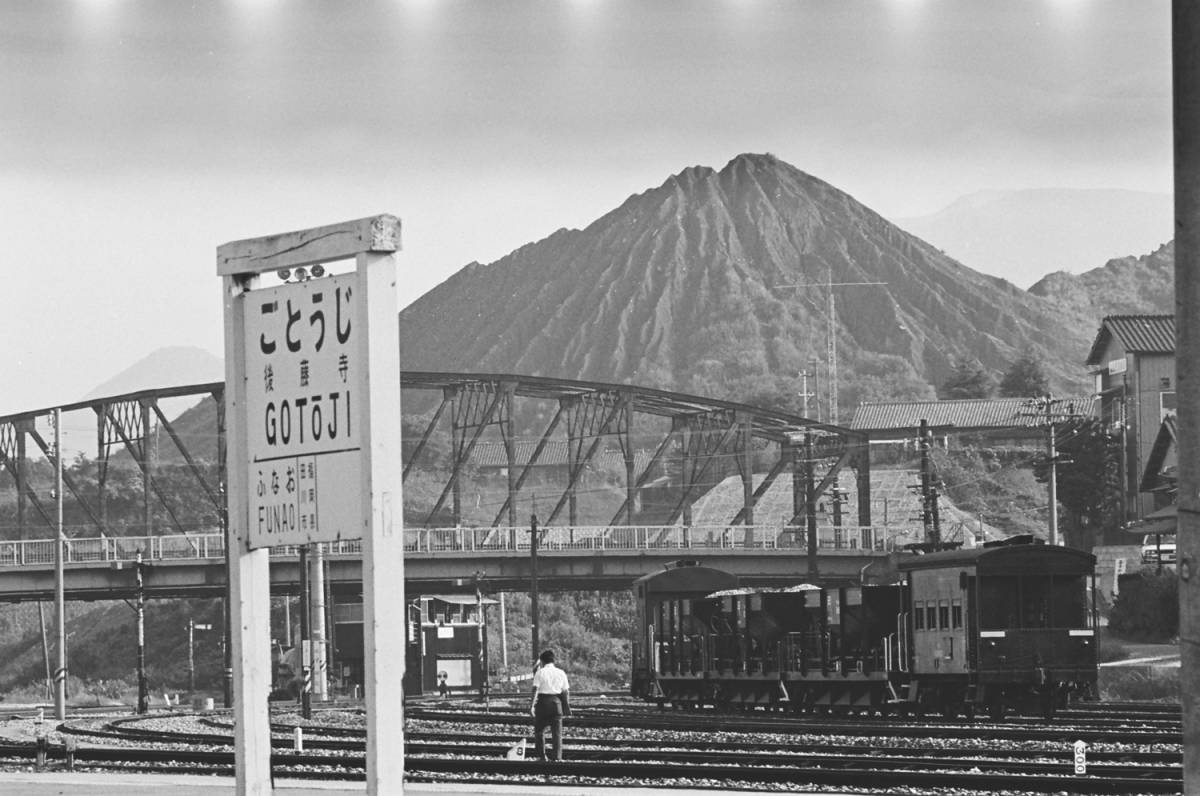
[[1012, 417], [1133, 360]]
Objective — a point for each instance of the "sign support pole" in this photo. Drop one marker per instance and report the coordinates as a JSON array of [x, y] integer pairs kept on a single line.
[[313, 408], [249, 574], [383, 538]]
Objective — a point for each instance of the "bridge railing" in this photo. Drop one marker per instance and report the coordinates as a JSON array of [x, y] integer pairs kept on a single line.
[[652, 537], [456, 541]]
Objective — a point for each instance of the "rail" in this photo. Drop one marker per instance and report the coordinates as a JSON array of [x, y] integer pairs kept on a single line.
[[455, 541]]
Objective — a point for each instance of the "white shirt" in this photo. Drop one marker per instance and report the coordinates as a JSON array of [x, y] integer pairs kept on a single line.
[[549, 679]]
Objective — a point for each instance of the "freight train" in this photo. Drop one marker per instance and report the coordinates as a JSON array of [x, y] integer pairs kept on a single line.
[[1006, 626]]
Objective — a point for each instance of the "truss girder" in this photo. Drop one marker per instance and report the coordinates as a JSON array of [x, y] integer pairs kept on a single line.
[[589, 417], [69, 482], [447, 398], [709, 440], [768, 481], [12, 451], [534, 458], [165, 424], [627, 506], [128, 422], [474, 407], [705, 439]]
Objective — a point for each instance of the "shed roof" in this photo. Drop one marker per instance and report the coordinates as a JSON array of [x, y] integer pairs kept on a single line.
[[1137, 334], [1008, 558], [974, 414]]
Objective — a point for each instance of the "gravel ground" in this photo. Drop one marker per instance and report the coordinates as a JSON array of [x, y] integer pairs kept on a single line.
[[18, 728]]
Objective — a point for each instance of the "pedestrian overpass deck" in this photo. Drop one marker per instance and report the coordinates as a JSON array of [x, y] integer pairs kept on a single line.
[[447, 560]]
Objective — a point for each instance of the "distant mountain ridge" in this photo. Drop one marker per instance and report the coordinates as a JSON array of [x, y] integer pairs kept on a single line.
[[1124, 286], [171, 366], [714, 283], [1026, 234]]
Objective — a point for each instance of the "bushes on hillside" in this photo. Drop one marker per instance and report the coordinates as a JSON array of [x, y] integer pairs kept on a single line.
[[1147, 609]]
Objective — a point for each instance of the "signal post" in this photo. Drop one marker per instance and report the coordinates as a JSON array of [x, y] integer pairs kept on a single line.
[[312, 395]]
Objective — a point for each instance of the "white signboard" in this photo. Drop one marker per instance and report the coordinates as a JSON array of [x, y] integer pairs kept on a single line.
[[303, 412]]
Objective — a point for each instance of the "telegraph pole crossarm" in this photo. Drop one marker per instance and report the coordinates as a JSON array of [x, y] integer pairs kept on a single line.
[[1045, 408]]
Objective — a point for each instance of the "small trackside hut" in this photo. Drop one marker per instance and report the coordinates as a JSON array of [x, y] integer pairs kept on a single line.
[[1006, 625]]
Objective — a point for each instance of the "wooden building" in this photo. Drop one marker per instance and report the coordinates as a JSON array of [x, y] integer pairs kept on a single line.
[[1133, 361]]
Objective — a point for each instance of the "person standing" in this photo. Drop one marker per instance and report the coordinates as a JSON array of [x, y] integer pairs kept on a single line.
[[550, 705]]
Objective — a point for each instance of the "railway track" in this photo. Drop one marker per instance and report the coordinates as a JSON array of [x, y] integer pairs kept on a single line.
[[622, 765], [1115, 730], [742, 751]]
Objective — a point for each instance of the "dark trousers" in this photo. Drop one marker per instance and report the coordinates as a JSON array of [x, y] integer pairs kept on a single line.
[[548, 712]]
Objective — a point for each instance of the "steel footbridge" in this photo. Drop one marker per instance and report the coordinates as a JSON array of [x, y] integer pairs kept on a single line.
[[627, 479]]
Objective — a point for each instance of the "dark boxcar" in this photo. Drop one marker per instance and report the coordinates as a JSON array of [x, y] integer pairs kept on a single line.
[[1004, 625]]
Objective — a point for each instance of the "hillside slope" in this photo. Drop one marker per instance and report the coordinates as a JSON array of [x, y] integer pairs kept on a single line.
[[715, 283]]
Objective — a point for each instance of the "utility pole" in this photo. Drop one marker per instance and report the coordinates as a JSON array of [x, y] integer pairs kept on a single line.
[[929, 507], [316, 614], [804, 393], [191, 656], [831, 333], [139, 610], [60, 602], [503, 635], [1185, 43], [305, 644], [810, 506], [1046, 409], [192, 628], [484, 685], [1051, 457], [533, 584]]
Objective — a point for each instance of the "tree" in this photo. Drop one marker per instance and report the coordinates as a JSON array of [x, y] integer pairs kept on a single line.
[[968, 379], [1025, 378], [1088, 480]]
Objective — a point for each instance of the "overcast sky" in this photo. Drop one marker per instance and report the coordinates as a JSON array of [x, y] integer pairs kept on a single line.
[[137, 135]]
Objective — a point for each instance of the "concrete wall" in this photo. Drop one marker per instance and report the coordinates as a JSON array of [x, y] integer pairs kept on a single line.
[[1106, 558]]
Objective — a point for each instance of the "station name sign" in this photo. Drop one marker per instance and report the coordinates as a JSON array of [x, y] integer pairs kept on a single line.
[[304, 411]]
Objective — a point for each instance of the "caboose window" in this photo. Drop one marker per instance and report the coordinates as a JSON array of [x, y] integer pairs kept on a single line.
[[931, 616], [1035, 601], [943, 615], [918, 616], [998, 602], [956, 613], [1069, 601]]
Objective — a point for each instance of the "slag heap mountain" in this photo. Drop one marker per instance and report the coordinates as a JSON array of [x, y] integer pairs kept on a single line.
[[714, 283]]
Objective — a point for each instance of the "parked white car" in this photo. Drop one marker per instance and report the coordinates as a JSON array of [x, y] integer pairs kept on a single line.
[[1155, 543]]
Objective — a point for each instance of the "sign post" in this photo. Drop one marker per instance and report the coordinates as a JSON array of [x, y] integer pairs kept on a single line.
[[313, 406]]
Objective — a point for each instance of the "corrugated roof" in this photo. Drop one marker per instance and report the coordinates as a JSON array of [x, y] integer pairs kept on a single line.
[[963, 415], [1137, 334]]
